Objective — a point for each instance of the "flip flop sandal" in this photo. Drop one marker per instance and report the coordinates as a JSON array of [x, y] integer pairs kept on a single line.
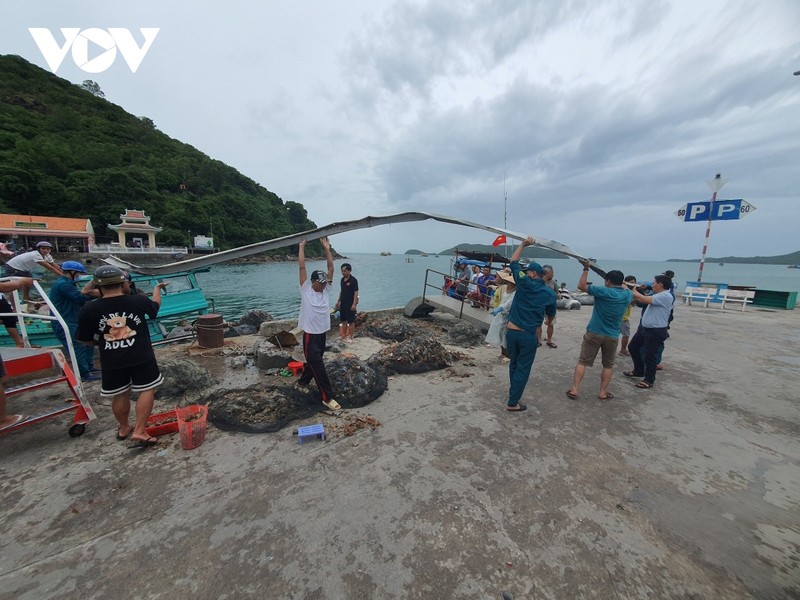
[[608, 396], [122, 438], [551, 345], [643, 385], [143, 444], [632, 374], [517, 408], [571, 395]]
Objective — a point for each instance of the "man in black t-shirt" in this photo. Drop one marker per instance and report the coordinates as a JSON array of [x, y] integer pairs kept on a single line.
[[116, 323], [346, 305]]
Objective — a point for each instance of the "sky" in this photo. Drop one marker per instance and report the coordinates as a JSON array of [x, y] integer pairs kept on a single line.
[[588, 122]]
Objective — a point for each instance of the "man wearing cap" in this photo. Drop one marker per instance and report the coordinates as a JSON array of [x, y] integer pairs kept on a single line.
[[602, 333], [22, 265], [315, 321], [532, 301], [68, 302], [652, 333], [117, 323]]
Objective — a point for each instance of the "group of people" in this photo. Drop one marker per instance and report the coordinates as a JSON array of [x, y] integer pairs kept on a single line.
[[108, 314], [528, 302]]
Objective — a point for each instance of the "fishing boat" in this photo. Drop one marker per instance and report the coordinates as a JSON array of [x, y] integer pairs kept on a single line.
[[386, 253], [182, 299], [794, 267]]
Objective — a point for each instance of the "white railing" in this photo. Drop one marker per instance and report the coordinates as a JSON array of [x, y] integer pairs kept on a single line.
[[117, 249]]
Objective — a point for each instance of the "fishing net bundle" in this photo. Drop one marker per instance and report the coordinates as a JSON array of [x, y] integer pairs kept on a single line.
[[415, 355], [259, 408]]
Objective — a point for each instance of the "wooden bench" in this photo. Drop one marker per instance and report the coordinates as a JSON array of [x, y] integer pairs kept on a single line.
[[743, 297], [699, 294]]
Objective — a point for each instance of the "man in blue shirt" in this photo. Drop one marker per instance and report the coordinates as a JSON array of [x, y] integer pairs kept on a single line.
[[602, 333], [68, 302], [652, 332], [532, 300]]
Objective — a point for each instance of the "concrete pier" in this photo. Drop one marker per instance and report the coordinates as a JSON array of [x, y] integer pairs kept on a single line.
[[687, 490]]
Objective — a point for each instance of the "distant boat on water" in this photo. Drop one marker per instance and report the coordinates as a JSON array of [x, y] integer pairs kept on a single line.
[[794, 267], [386, 253]]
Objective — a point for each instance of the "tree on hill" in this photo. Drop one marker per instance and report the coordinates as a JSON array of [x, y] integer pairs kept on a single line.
[[66, 151]]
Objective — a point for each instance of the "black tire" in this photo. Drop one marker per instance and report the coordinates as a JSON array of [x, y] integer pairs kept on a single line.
[[77, 430]]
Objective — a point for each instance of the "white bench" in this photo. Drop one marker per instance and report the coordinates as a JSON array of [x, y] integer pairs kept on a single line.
[[743, 297], [699, 294]]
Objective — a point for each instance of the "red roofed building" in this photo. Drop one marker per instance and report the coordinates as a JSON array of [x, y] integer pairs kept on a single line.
[[66, 235]]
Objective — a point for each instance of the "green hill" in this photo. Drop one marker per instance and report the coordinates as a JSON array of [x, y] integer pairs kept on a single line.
[[783, 259], [65, 151]]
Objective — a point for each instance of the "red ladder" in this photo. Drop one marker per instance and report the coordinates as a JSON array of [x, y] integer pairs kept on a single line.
[[24, 361]]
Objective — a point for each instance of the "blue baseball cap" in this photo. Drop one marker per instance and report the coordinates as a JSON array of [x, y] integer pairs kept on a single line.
[[535, 267]]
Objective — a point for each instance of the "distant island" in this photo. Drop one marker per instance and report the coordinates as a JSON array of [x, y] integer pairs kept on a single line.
[[783, 259]]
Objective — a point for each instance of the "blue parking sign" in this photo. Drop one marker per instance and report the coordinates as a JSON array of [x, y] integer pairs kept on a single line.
[[724, 210]]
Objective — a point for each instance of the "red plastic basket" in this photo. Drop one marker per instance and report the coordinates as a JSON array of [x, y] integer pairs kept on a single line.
[[192, 423], [161, 424]]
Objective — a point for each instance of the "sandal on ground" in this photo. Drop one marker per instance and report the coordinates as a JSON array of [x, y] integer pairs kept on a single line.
[[571, 396], [632, 374], [643, 385], [121, 437], [143, 444], [551, 345], [608, 396], [331, 404], [517, 407]]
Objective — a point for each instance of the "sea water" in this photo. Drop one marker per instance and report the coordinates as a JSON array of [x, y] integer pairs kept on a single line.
[[391, 281]]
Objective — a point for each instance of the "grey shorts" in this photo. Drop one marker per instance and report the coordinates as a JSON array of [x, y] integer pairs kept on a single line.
[[625, 329]]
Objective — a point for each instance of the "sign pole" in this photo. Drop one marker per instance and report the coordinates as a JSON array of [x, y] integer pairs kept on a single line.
[[715, 185]]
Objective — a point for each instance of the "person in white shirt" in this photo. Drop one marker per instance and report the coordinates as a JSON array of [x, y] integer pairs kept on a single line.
[[22, 265], [315, 321]]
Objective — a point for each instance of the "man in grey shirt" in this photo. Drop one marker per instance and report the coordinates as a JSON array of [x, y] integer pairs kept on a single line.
[[652, 331]]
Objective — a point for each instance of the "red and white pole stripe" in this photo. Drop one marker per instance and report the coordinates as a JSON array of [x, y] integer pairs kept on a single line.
[[715, 185]]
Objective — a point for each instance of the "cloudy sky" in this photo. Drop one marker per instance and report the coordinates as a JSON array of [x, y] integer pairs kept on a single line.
[[597, 119]]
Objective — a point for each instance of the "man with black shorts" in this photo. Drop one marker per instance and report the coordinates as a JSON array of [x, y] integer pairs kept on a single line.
[[116, 324], [22, 265], [346, 304], [10, 321]]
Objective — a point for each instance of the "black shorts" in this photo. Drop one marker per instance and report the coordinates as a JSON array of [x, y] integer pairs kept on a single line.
[[347, 316], [12, 272], [138, 378], [5, 307]]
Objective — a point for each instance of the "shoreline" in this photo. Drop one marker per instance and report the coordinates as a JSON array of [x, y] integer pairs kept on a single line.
[[688, 489]]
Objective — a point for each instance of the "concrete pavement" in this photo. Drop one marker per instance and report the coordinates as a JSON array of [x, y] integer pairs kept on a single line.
[[688, 490]]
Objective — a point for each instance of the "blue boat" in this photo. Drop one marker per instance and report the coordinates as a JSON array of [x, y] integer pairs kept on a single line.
[[182, 299]]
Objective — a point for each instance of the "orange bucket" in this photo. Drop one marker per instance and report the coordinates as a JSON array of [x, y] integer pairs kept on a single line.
[[295, 367], [192, 423]]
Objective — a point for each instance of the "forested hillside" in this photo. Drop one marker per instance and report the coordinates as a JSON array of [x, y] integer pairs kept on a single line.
[[65, 151]]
